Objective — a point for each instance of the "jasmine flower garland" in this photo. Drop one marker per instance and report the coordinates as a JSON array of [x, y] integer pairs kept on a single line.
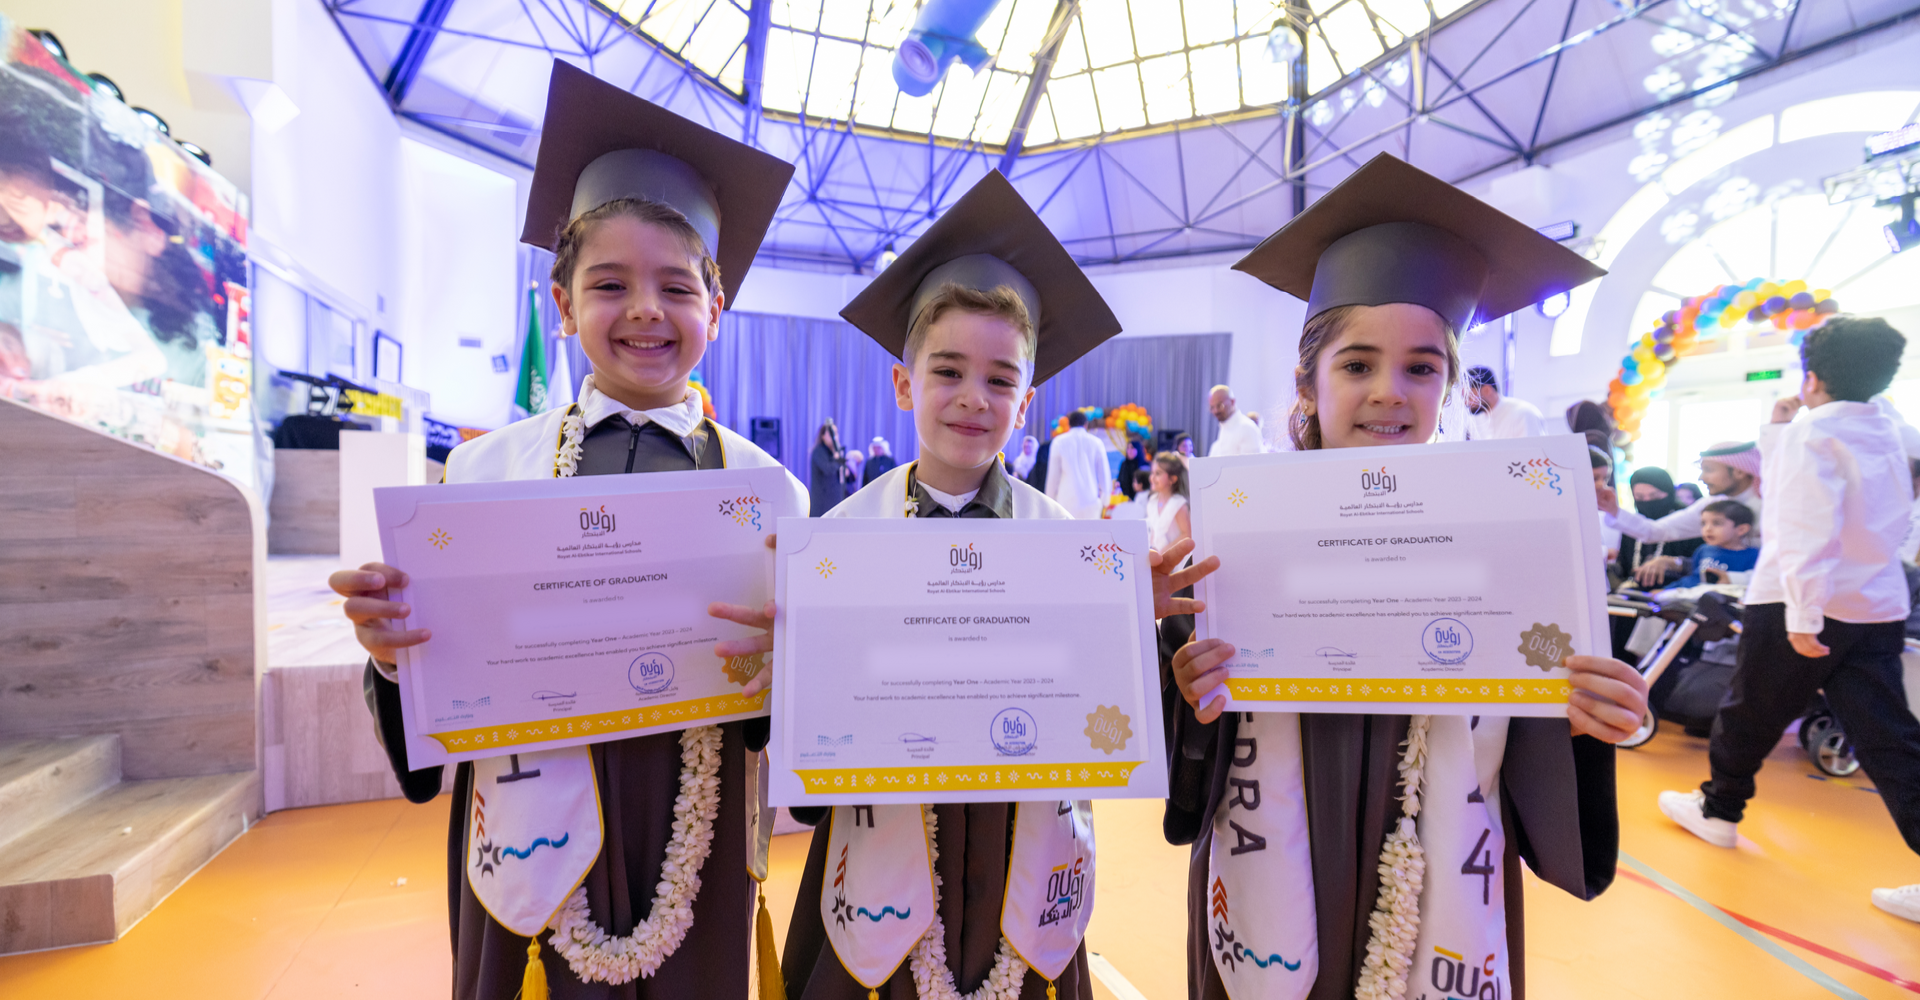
[[1395, 921], [594, 955], [932, 980], [597, 957]]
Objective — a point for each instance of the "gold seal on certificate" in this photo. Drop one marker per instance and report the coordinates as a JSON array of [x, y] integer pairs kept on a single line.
[[964, 660], [571, 611], [1449, 578]]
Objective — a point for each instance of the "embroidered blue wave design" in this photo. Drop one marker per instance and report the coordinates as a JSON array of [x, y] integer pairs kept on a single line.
[[884, 911], [1240, 951], [536, 845]]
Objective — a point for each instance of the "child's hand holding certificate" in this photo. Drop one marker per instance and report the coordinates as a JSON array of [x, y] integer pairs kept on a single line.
[[574, 611]]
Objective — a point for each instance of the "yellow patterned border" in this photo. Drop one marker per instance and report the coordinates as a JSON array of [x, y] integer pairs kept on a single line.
[[1419, 690], [966, 778], [683, 714]]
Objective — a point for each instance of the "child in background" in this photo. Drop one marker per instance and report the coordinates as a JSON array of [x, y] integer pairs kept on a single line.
[[1724, 526], [1828, 605]]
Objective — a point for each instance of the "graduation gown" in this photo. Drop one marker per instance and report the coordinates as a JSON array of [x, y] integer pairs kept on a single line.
[[974, 839], [1557, 797], [638, 778]]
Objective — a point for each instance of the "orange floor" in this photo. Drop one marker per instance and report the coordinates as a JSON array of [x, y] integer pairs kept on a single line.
[[349, 901]]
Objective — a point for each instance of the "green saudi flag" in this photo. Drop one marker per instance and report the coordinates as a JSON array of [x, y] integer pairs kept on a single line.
[[531, 396]]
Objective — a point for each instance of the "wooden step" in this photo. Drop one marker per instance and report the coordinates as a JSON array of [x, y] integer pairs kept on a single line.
[[88, 875], [42, 779]]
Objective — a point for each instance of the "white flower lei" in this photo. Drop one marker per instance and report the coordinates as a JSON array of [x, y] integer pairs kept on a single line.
[[597, 957], [1395, 921], [932, 980], [594, 955]]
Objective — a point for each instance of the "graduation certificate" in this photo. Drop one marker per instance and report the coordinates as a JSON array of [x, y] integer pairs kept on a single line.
[[570, 611], [1445, 579], [964, 660]]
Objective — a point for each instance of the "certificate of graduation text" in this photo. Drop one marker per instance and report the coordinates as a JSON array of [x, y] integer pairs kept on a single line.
[[571, 611], [1446, 579], [964, 660]]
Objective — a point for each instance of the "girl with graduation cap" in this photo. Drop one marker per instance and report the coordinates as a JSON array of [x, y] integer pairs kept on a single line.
[[636, 863], [1342, 856], [980, 309]]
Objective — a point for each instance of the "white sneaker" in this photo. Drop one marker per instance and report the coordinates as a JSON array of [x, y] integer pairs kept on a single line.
[[1685, 808], [1901, 902]]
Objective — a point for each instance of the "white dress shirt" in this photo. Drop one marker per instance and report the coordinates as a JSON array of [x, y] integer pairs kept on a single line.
[[1512, 418], [1839, 511], [680, 418], [1239, 435], [1078, 477], [1682, 524]]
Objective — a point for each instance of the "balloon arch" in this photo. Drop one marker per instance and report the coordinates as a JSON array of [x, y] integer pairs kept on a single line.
[[1787, 305]]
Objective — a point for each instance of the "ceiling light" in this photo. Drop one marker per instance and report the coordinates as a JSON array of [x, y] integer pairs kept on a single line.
[[1553, 305], [1904, 233], [159, 124], [196, 152], [50, 41], [101, 82]]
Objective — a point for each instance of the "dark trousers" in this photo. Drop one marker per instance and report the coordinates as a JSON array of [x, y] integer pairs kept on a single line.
[[1773, 684]]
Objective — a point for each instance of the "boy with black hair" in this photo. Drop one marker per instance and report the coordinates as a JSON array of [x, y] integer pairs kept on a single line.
[[1726, 558], [1828, 604]]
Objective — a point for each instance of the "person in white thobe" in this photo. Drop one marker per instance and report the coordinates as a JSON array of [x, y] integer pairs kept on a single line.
[[1498, 416], [1239, 435], [1078, 476]]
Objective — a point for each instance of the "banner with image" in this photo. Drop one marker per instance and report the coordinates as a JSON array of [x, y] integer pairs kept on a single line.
[[123, 269]]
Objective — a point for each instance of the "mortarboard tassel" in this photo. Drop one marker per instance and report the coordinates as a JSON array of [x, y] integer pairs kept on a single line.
[[534, 986], [772, 986]]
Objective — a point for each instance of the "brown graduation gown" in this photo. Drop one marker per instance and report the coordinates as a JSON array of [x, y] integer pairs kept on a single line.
[[974, 842], [639, 779], [1557, 798]]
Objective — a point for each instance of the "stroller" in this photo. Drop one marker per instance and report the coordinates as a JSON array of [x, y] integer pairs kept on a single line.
[[1686, 626]]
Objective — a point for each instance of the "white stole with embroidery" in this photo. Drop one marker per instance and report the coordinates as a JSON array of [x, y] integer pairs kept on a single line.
[[878, 898], [533, 833], [1261, 924], [1463, 912]]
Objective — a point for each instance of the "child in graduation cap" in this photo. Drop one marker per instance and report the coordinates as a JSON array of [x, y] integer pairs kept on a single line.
[[1310, 876], [984, 306], [653, 222]]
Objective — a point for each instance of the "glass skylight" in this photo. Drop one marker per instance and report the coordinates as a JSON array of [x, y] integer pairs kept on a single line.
[[1122, 64], [711, 35]]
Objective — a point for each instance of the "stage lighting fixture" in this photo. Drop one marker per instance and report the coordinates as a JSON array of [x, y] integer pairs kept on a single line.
[[102, 82], [159, 124], [1553, 305], [887, 257], [1283, 43], [1560, 232], [1904, 233], [196, 152], [50, 41]]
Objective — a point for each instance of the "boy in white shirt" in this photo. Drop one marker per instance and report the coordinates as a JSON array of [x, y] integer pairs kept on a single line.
[[1828, 603]]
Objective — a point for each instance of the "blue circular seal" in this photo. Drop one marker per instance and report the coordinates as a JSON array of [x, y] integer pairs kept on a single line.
[[1447, 640], [650, 673], [1014, 733]]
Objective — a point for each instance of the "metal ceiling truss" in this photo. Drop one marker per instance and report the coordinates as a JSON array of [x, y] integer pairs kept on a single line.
[[1216, 183]]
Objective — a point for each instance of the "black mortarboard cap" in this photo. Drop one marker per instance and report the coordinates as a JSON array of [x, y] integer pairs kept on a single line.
[[600, 143], [989, 238], [1391, 232]]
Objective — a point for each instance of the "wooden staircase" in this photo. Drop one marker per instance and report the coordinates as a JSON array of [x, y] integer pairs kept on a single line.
[[131, 611], [84, 855]]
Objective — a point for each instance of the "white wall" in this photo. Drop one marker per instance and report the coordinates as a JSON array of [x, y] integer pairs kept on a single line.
[[326, 180], [456, 254]]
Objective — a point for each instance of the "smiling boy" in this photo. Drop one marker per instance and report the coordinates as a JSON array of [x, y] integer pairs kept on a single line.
[[979, 310]]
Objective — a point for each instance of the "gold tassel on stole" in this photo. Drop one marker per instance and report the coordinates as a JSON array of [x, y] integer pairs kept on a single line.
[[772, 986], [534, 986]]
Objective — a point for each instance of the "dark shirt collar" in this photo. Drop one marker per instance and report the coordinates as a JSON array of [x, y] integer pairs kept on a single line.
[[995, 498]]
